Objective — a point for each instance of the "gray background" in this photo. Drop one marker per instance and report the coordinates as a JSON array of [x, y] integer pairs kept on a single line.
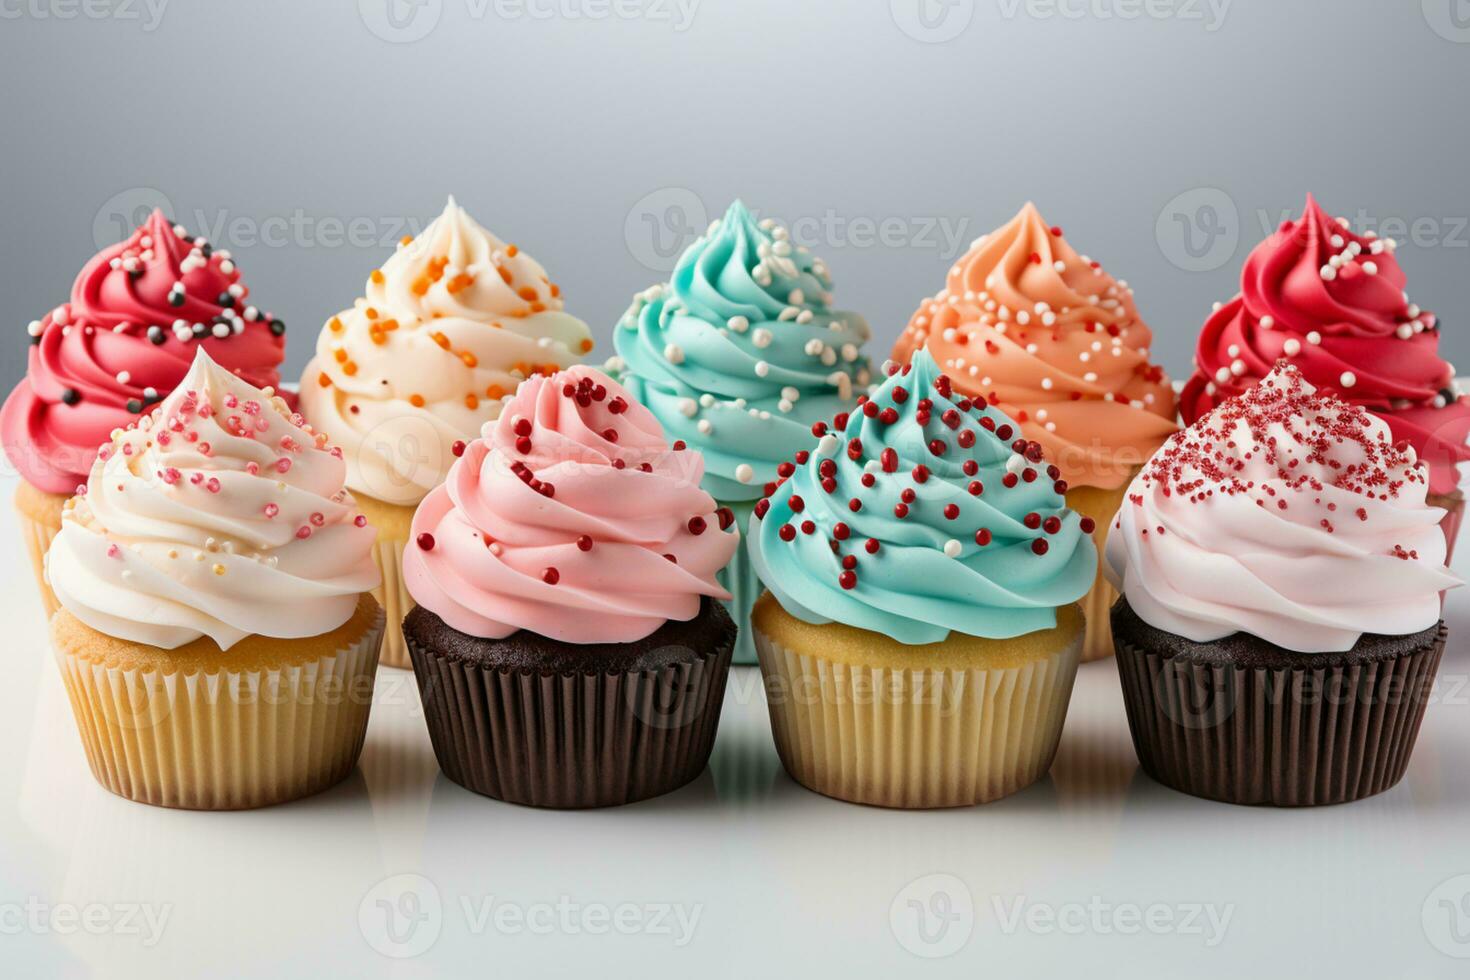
[[307, 137]]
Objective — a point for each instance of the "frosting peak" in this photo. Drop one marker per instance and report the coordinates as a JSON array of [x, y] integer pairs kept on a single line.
[[445, 330], [1045, 333], [138, 312], [220, 515], [741, 351], [1285, 513], [921, 514], [571, 517], [1332, 302]]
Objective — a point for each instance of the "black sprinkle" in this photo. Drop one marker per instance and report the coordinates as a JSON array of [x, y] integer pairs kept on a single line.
[[278, 328], [175, 298], [157, 335], [134, 405], [36, 340], [208, 250], [70, 395], [135, 274], [226, 300], [200, 330], [1449, 395], [221, 318]]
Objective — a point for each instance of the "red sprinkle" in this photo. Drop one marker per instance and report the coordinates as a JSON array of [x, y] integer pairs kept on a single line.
[[551, 576], [426, 541], [585, 542]]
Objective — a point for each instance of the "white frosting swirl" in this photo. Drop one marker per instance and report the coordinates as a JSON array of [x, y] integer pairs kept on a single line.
[[1284, 514], [449, 326], [219, 515]]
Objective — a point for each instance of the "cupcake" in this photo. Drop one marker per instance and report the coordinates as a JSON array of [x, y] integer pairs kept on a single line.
[[216, 636], [138, 312], [447, 329], [1332, 303], [1279, 627], [1048, 336], [921, 631], [568, 642], [738, 355]]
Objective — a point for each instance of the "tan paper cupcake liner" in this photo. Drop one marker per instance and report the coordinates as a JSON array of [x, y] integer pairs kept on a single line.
[[1102, 506], [40, 522], [740, 580], [572, 740], [915, 738], [1282, 737], [395, 600], [226, 740]]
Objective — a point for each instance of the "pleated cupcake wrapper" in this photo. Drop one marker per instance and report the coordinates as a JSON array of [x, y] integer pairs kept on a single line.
[[740, 580], [915, 738], [395, 600], [227, 740], [1097, 605], [571, 740], [1284, 737], [38, 536]]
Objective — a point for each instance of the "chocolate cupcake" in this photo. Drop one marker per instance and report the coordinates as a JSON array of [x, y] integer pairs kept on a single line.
[[568, 645], [1279, 627]]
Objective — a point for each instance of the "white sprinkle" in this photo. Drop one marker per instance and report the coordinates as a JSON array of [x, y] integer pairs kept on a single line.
[[952, 548], [744, 473], [123, 377], [706, 400], [762, 338], [1267, 322], [827, 445], [1292, 347], [1222, 375], [688, 407], [1371, 268], [1328, 273], [705, 428], [674, 354], [1348, 379], [762, 369], [1314, 337]]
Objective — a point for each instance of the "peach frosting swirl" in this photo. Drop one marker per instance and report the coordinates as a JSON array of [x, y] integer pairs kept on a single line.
[[571, 517], [1049, 337]]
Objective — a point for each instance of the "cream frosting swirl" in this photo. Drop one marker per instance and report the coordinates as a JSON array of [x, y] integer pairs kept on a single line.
[[221, 514], [572, 518], [1287, 514], [446, 330]]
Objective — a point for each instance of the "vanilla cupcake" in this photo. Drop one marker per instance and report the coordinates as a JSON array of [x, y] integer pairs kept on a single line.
[[921, 632], [1279, 627], [216, 635], [446, 330]]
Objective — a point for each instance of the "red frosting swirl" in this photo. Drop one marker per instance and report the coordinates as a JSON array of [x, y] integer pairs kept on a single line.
[[1332, 303], [138, 312]]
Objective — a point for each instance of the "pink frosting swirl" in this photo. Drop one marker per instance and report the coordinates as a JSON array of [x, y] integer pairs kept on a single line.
[[138, 312], [570, 517], [1286, 514]]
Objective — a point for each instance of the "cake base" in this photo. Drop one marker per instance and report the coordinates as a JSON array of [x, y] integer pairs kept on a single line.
[[392, 522], [40, 522]]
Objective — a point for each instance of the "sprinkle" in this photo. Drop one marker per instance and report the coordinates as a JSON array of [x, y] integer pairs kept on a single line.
[[952, 548], [426, 541]]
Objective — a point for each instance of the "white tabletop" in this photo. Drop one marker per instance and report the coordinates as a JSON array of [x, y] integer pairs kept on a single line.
[[400, 873]]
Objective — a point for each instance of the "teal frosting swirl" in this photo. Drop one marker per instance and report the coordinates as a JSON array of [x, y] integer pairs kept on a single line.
[[740, 353], [981, 548]]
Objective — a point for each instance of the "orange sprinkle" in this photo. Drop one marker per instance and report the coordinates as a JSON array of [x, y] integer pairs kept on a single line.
[[340, 355], [349, 368], [459, 282], [521, 366], [421, 285], [334, 325], [379, 337], [440, 339], [417, 401], [538, 307], [406, 239], [511, 250], [370, 313], [555, 289], [527, 293], [471, 401], [389, 324], [323, 380], [586, 345], [470, 360], [376, 276], [495, 392], [504, 274]]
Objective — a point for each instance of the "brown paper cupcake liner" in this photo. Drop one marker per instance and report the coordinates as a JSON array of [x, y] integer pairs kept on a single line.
[[1279, 736], [571, 741], [393, 596], [226, 740], [915, 738], [40, 522]]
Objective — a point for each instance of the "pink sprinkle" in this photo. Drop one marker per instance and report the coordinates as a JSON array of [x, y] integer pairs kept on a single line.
[[204, 448], [318, 519], [271, 510], [360, 520], [289, 444], [231, 401], [206, 410], [191, 437], [303, 532], [127, 449], [252, 467], [113, 551], [283, 464], [104, 452], [213, 485], [252, 407], [261, 424], [164, 438], [171, 476], [336, 452], [196, 478]]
